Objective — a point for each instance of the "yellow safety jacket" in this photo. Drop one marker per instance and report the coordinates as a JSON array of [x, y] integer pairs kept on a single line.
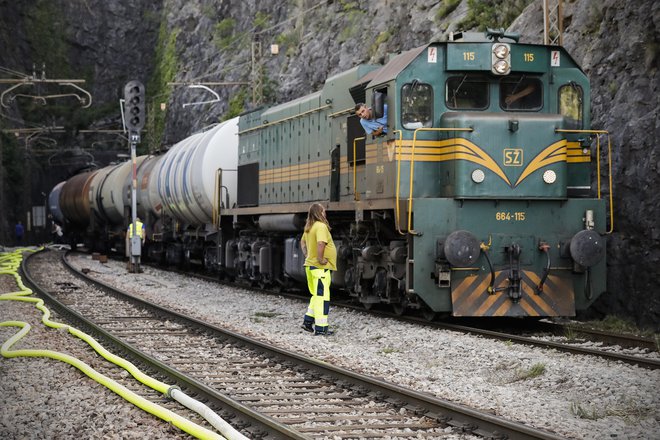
[[139, 229]]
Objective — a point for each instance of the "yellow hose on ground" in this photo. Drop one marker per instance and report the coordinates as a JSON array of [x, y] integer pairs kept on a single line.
[[9, 264]]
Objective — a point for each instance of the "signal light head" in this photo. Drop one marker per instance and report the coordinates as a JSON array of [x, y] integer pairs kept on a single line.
[[134, 106]]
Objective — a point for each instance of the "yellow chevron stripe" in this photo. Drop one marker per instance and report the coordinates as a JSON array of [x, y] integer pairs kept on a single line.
[[449, 149], [575, 153], [552, 154]]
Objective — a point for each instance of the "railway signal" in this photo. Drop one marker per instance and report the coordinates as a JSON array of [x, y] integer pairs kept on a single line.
[[135, 117], [134, 98]]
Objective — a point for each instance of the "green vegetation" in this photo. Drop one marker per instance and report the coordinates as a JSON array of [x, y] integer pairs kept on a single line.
[[223, 33], [151, 17], [349, 5], [388, 350], [616, 324], [483, 14], [532, 372], [630, 410], [236, 105], [446, 8], [583, 413], [380, 39], [261, 20], [612, 88], [269, 89], [157, 89], [209, 11], [651, 53], [569, 333], [594, 18], [266, 314], [354, 17], [289, 41]]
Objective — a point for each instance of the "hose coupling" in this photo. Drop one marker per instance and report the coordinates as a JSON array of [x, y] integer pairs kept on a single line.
[[171, 389]]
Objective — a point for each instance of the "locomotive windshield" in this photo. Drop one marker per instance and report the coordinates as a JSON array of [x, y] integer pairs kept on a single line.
[[467, 92], [417, 105], [521, 94]]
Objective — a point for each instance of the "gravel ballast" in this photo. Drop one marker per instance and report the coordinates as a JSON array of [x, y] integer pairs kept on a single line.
[[574, 396]]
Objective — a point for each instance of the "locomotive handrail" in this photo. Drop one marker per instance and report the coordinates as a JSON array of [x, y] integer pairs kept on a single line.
[[412, 167], [356, 195], [398, 183], [268, 124], [609, 165], [341, 112]]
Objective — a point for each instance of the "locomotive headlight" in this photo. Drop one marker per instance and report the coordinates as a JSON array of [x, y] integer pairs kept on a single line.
[[478, 176], [501, 51], [549, 176], [501, 67]]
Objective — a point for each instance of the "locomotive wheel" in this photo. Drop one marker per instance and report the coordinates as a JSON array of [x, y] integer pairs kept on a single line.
[[399, 309], [368, 306], [428, 314]]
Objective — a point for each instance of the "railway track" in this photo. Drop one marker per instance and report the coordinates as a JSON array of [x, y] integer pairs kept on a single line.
[[566, 337], [275, 393]]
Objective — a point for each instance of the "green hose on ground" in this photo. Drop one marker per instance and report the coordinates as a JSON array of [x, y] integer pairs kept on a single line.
[[9, 264]]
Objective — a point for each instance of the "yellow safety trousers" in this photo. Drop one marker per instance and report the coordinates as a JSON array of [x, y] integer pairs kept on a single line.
[[318, 282]]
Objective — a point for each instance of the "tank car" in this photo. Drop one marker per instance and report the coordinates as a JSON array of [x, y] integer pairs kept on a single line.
[[186, 188]]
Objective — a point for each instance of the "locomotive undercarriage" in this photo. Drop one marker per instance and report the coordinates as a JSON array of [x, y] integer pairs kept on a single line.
[[371, 260]]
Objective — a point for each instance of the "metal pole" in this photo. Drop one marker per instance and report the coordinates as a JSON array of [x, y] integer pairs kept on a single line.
[[135, 242]]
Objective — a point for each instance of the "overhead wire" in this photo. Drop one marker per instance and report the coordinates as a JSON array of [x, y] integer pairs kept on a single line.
[[13, 72]]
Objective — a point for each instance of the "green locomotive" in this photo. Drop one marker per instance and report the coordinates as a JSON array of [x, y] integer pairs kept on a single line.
[[479, 200]]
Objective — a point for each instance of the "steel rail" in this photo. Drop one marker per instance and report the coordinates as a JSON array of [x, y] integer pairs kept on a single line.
[[258, 421], [461, 417]]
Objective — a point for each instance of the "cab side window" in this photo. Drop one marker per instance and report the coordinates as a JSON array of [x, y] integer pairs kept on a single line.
[[466, 92], [570, 105], [521, 94], [416, 105]]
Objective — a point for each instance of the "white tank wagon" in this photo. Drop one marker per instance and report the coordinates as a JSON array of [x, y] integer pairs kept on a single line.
[[198, 175], [107, 197]]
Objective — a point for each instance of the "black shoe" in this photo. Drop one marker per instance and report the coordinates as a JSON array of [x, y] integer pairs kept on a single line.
[[324, 333], [307, 328]]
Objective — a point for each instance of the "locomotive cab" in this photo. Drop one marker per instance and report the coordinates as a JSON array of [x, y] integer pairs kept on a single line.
[[489, 189]]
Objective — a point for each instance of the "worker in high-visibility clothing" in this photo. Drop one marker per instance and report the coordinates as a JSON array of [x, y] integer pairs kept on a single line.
[[320, 260], [139, 230]]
